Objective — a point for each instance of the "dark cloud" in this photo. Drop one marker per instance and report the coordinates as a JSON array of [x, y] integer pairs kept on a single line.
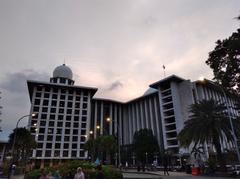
[[115, 85], [16, 82]]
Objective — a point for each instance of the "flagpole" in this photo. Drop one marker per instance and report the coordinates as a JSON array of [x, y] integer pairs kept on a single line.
[[164, 75]]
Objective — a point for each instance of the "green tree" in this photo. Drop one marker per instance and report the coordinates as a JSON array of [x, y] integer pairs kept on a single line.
[[102, 144], [145, 144], [24, 143], [207, 123], [225, 61]]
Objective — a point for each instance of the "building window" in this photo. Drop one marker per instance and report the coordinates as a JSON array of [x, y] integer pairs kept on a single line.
[[61, 110], [38, 95], [68, 118], [85, 99], [52, 116], [76, 111], [77, 105], [75, 138], [44, 116], [54, 103], [66, 138], [55, 90], [66, 146], [82, 153], [74, 146], [42, 130], [53, 110], [60, 117], [63, 91], [44, 109], [62, 104], [84, 119], [62, 97], [50, 131], [75, 124], [47, 89], [70, 97], [74, 153], [43, 123], [83, 132], [83, 125], [58, 138], [49, 145], [45, 102], [39, 153], [84, 105], [76, 118], [36, 109], [70, 91], [75, 131], [59, 131], [37, 102], [68, 124], [78, 98], [40, 137], [40, 145], [84, 112], [51, 123], [54, 96], [65, 153], [60, 124], [46, 95], [67, 131], [57, 145], [69, 105], [48, 153], [49, 137], [56, 153], [69, 111]]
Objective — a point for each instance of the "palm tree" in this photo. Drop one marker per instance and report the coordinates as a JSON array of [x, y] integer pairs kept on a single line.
[[208, 123]]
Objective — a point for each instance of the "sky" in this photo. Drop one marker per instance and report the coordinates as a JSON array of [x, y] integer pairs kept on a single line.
[[118, 46]]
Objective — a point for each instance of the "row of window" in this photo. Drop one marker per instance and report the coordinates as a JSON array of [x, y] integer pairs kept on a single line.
[[64, 91], [60, 131], [61, 104], [61, 111], [61, 117], [57, 153], [65, 138], [58, 145], [60, 124]]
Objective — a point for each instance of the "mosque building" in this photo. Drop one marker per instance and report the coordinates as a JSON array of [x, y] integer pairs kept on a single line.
[[69, 114]]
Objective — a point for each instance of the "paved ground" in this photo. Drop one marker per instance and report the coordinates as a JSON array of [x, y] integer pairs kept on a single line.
[[159, 175]]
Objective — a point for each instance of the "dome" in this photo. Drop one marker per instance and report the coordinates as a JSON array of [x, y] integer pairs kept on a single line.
[[63, 71], [149, 91]]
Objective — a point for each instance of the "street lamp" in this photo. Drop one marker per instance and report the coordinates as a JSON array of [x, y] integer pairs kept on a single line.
[[119, 137], [15, 134], [230, 118]]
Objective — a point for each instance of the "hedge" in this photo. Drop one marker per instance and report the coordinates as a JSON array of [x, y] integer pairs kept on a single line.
[[89, 170]]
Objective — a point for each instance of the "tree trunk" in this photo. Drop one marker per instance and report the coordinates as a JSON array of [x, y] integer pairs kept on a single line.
[[220, 157]]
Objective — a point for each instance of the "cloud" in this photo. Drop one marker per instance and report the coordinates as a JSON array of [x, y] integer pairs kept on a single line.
[[16, 82], [115, 85]]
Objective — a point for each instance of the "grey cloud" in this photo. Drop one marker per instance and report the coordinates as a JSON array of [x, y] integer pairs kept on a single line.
[[115, 85], [16, 82]]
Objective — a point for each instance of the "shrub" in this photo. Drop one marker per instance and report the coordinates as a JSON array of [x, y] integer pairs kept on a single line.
[[88, 169]]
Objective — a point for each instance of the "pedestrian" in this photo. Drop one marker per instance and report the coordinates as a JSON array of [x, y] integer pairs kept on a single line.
[[79, 174], [49, 175], [43, 174], [100, 174], [165, 165], [126, 165], [56, 175]]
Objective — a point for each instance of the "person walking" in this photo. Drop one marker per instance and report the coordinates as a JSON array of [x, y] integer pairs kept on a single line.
[[79, 174], [165, 164]]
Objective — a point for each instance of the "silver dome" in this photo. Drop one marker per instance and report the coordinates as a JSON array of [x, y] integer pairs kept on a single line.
[[63, 71]]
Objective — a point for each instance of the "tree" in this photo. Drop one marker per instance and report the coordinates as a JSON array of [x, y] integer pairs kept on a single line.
[[24, 143], [225, 61], [145, 144], [207, 123], [102, 144]]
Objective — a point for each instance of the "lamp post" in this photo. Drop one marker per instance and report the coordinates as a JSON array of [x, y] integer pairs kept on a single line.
[[14, 139], [230, 119], [119, 138]]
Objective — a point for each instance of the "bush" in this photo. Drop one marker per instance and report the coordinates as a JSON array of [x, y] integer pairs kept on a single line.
[[88, 169]]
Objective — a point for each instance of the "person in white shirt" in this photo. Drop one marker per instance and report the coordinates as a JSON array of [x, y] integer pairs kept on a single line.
[[79, 174]]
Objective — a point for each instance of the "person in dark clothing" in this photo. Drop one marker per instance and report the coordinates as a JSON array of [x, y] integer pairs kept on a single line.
[[165, 165], [100, 174]]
